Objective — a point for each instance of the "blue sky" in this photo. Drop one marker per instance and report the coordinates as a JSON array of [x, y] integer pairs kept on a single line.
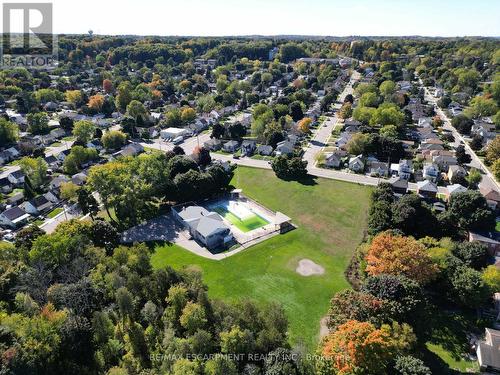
[[273, 17]]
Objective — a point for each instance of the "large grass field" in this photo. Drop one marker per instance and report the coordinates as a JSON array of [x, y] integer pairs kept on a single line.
[[331, 218]]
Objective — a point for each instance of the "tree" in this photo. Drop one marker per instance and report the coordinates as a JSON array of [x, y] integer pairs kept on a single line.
[[397, 255], [481, 106], [188, 115], [402, 296], [473, 254], [84, 131], [35, 169], [495, 169], [476, 143], [358, 347], [77, 157], [8, 132], [107, 86], [390, 131], [237, 341], [468, 286], [387, 114], [137, 111], [220, 365], [462, 123], [66, 123], [345, 111], [289, 168], [369, 99], [470, 211], [193, 317], [491, 278], [205, 103], [357, 144], [462, 156], [408, 365], [113, 139], [124, 96], [69, 191], [387, 89], [75, 97], [296, 110], [493, 151], [474, 178], [304, 125], [125, 302], [88, 204], [96, 102], [103, 234], [218, 131], [38, 123], [201, 155], [352, 305], [413, 217]]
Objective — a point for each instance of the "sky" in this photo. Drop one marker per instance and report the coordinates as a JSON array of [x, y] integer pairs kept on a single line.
[[277, 17]]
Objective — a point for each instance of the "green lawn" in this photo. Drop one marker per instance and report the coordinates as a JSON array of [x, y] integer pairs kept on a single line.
[[331, 217], [447, 341], [498, 226], [54, 212], [245, 225]]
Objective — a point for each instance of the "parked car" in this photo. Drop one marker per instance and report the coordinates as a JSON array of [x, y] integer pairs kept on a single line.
[[178, 140]]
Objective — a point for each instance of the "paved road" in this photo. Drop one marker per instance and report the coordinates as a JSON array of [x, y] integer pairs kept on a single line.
[[488, 181], [323, 133]]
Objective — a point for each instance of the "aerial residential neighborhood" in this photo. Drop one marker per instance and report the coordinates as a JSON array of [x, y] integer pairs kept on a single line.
[[261, 199]]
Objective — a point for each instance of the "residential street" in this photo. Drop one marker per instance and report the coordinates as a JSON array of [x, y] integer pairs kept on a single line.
[[488, 181], [323, 133]]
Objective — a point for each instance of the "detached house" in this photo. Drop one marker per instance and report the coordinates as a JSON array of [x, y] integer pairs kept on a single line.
[[248, 147], [206, 227], [265, 150], [213, 144], [284, 148], [37, 205], [16, 178], [455, 171], [333, 160], [13, 217], [403, 169], [431, 172], [427, 189], [231, 146], [443, 162], [357, 164]]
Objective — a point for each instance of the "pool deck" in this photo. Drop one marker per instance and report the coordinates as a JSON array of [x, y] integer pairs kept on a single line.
[[167, 228]]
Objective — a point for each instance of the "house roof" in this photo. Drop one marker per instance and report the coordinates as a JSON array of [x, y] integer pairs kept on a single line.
[[455, 188], [39, 201], [427, 186], [13, 213], [399, 182], [488, 350], [17, 174]]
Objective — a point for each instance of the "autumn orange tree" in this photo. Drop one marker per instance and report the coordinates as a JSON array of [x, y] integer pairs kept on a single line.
[[359, 347], [304, 125], [398, 255], [96, 102]]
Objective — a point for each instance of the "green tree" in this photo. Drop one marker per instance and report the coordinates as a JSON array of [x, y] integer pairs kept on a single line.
[[84, 131], [113, 139], [8, 132], [387, 89], [124, 95], [193, 317], [35, 169], [471, 212], [137, 111], [38, 123]]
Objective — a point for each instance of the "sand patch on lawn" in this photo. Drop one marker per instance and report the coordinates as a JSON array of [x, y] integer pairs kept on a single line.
[[307, 267]]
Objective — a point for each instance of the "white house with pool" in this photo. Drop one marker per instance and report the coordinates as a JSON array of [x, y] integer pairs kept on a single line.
[[222, 222]]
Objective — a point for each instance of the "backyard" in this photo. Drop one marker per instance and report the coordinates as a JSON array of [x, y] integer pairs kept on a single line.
[[330, 216]]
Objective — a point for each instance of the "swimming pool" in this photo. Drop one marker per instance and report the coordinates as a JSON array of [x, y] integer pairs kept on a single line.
[[240, 215]]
